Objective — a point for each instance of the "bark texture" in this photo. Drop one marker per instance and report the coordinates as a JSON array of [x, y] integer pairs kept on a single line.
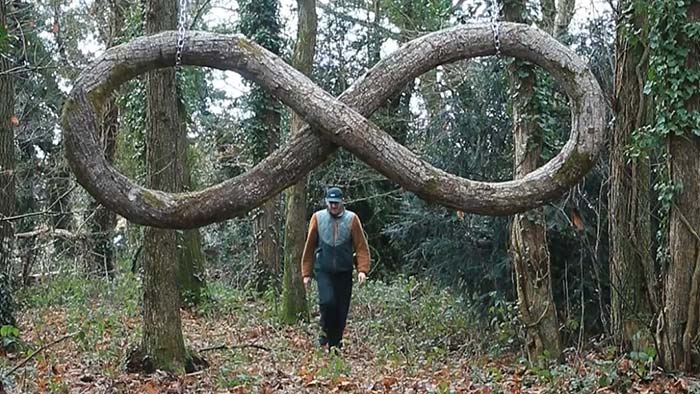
[[7, 180], [681, 318], [294, 305], [259, 21], [163, 342], [528, 238], [103, 220], [339, 121], [633, 296]]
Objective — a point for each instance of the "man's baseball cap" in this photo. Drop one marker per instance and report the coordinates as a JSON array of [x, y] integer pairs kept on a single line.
[[334, 194]]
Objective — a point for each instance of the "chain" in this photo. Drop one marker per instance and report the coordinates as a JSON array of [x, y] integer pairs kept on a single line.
[[181, 32], [495, 26]]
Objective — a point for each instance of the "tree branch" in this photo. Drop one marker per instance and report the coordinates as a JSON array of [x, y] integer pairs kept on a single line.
[[400, 37]]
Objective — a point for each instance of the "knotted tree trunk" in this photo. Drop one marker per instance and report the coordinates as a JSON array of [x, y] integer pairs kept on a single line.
[[335, 121]]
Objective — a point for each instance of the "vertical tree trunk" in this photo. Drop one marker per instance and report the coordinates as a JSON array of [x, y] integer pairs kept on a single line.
[[7, 177], [294, 305], [529, 232], [681, 319], [260, 22], [163, 342], [103, 221], [632, 277], [60, 203]]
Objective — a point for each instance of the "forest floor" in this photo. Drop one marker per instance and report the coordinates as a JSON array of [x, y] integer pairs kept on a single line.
[[407, 337]]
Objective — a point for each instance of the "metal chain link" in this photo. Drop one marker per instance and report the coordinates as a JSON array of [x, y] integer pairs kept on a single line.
[[181, 32], [495, 25]]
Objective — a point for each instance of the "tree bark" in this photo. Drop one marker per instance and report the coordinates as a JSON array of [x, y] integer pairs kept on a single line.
[[632, 277], [259, 21], [341, 123], [60, 203], [294, 306], [528, 238], [680, 318], [163, 342], [103, 220], [7, 179]]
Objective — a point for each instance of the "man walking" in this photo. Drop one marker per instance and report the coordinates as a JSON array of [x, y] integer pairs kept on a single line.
[[334, 233]]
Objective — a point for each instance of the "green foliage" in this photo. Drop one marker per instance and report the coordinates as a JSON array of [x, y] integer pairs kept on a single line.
[[261, 23], [418, 15], [504, 323], [9, 337], [672, 84], [336, 368], [131, 141], [410, 317], [222, 300], [228, 378], [4, 38], [76, 290], [7, 301], [671, 81]]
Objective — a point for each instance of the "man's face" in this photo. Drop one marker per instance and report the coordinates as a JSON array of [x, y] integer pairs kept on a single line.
[[335, 208]]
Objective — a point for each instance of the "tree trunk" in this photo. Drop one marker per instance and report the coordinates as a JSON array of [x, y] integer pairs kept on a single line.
[[60, 204], [7, 179], [344, 125], [633, 293], [191, 274], [260, 22], [163, 342], [681, 319], [528, 238], [294, 305], [103, 220]]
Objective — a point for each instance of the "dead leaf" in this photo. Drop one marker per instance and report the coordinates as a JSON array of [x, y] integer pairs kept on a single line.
[[577, 220], [681, 385], [151, 388], [389, 381], [59, 369], [55, 27], [14, 120]]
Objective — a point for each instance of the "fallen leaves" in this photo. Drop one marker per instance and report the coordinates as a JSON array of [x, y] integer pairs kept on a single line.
[[93, 363]]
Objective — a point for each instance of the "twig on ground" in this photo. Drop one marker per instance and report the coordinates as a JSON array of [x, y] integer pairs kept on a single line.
[[231, 347], [34, 353]]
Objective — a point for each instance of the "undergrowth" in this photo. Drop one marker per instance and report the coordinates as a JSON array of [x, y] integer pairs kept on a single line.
[[408, 334]]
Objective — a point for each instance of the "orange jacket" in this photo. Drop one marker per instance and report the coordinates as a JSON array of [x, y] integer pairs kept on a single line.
[[359, 243]]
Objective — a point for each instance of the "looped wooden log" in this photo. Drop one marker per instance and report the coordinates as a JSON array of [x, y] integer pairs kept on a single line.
[[340, 121]]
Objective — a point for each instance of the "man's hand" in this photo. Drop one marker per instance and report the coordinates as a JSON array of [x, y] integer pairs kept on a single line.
[[307, 282], [361, 277]]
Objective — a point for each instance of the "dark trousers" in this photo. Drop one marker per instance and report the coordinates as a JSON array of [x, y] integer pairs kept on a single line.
[[334, 291]]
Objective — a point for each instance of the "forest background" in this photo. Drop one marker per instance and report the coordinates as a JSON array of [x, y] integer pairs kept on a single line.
[[597, 290]]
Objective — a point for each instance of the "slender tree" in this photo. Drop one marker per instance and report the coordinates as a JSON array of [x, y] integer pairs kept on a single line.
[[103, 220], [260, 22], [163, 343], [631, 263], [7, 172], [528, 236], [294, 305]]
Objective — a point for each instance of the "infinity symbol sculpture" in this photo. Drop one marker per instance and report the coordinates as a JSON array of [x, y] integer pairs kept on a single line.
[[333, 122]]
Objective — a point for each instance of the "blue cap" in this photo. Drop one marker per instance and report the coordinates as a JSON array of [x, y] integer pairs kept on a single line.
[[334, 194]]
